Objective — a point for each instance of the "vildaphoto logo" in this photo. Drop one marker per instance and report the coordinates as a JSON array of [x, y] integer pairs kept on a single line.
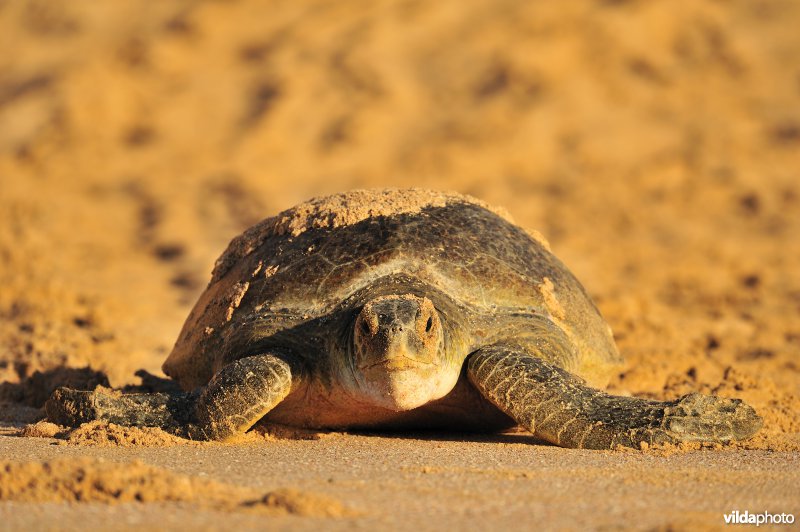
[[764, 518]]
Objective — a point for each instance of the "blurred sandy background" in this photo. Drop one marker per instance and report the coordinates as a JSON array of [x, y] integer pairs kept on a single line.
[[656, 144]]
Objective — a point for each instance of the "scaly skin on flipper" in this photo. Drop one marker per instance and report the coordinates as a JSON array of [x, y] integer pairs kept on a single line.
[[235, 399], [558, 407], [241, 394], [171, 412]]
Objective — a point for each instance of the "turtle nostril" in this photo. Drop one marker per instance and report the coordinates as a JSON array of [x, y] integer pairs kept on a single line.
[[429, 324]]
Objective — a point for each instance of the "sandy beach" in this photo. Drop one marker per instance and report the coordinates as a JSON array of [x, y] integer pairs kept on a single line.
[[656, 145]]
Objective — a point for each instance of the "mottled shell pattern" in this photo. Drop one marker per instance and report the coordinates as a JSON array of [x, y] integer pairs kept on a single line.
[[297, 279]]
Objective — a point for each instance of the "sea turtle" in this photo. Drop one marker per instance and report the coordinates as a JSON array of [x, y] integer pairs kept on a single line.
[[401, 309]]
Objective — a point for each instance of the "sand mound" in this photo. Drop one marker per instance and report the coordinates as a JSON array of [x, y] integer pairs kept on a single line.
[[101, 434], [92, 481]]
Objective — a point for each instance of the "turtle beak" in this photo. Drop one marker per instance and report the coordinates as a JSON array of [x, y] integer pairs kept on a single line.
[[396, 356]]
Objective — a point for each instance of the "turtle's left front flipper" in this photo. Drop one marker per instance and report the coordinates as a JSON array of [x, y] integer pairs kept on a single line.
[[558, 406]]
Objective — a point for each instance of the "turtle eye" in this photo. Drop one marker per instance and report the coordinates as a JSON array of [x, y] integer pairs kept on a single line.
[[365, 327], [429, 324]]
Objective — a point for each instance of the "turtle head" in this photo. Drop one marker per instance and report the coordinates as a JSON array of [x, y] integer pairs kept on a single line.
[[399, 360]]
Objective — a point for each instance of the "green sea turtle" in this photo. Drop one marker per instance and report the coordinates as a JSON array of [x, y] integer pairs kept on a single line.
[[401, 309]]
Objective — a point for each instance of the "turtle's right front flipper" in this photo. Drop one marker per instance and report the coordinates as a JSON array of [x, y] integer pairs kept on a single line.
[[242, 393], [169, 411], [232, 402], [558, 406]]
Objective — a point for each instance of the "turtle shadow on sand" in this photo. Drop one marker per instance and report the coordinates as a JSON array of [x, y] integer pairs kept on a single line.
[[438, 435], [400, 310]]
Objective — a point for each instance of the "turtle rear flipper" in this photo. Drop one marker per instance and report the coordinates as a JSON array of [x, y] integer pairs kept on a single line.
[[558, 407], [235, 399]]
